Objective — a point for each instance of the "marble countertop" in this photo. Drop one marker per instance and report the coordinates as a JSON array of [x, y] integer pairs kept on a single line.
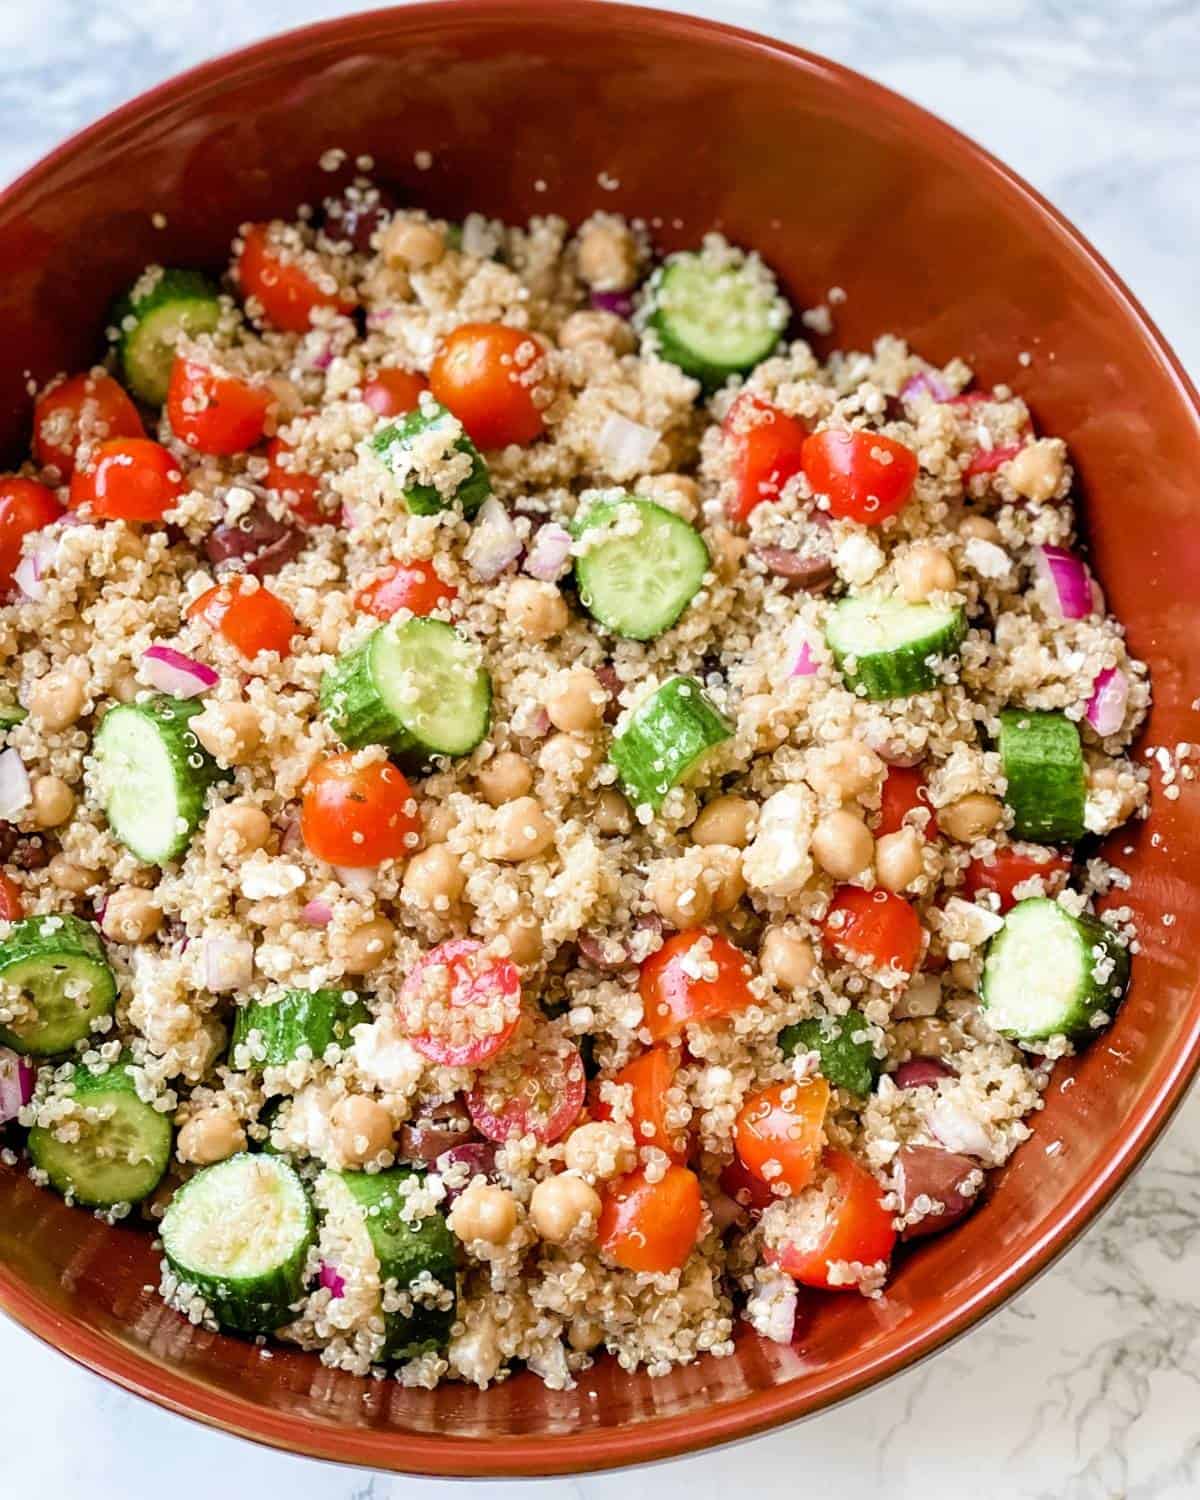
[[1085, 1388]]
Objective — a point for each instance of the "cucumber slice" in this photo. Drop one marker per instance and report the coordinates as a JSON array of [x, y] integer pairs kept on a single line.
[[314, 1020], [12, 714], [118, 1146], [716, 312], [416, 686], [887, 649], [60, 967], [641, 570], [151, 322], [848, 1059], [152, 774], [400, 445], [1048, 973], [666, 740], [240, 1233], [371, 1203], [1043, 763]]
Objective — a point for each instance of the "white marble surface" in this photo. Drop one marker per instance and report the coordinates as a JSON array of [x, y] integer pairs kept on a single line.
[[1086, 1387]]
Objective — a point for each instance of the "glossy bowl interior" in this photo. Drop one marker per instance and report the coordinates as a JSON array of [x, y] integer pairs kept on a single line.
[[573, 107]]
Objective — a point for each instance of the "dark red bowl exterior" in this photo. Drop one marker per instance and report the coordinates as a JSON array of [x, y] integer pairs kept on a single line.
[[568, 108]]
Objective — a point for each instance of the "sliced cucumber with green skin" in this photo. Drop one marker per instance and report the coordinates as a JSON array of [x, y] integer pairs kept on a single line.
[[152, 774], [150, 324], [312, 1019], [715, 314], [12, 714], [395, 444], [240, 1233], [885, 648], [848, 1059], [667, 740], [638, 584], [404, 1251], [1048, 973], [416, 686], [119, 1156], [1043, 764], [60, 966]]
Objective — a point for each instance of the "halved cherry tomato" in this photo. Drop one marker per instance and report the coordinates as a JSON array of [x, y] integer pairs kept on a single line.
[[251, 619], [128, 479], [875, 928], [677, 984], [650, 1076], [392, 392], [460, 1004], [857, 1227], [746, 1190], [88, 408], [298, 490], [212, 412], [651, 1226], [779, 1131], [903, 791], [25, 506], [12, 902], [414, 586], [1013, 864], [286, 288], [986, 460], [867, 476], [358, 815], [487, 374], [536, 1090], [766, 449]]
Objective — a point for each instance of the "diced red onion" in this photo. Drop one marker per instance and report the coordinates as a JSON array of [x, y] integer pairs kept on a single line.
[[550, 555], [894, 751], [15, 791], [172, 672], [332, 1280], [921, 1072], [1065, 581], [987, 460], [30, 573], [358, 878], [317, 913], [625, 446], [926, 382], [804, 664], [618, 303], [780, 1321], [324, 359], [1110, 697], [16, 1084], [494, 543], [228, 963], [958, 1129]]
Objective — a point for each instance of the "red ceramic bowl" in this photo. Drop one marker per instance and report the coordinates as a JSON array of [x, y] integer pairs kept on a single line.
[[573, 107]]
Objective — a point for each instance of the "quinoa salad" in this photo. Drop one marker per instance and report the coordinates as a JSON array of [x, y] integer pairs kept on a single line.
[[539, 817]]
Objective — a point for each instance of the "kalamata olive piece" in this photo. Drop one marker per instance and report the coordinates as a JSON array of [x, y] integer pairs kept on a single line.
[[612, 685], [435, 1131], [603, 951], [945, 1177], [356, 213], [479, 1157], [815, 574], [921, 1072], [30, 853], [272, 557], [257, 539]]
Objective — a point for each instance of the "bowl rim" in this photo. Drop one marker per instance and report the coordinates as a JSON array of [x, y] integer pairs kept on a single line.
[[665, 1437]]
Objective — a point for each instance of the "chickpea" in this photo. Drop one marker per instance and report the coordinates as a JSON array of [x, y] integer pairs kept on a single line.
[[124, 686], [131, 915], [56, 700], [412, 245], [611, 814], [505, 777], [599, 1150], [521, 830], [598, 327], [562, 1206], [843, 845], [210, 1136], [898, 859], [585, 1334], [725, 820], [1107, 780], [229, 731], [438, 821], [970, 817], [1036, 472], [731, 886], [608, 258], [523, 934], [434, 878], [69, 875], [360, 1129], [787, 959], [484, 1212], [365, 947], [925, 570], [537, 610], [978, 529], [577, 701], [236, 828], [567, 758], [843, 770], [53, 802], [675, 492], [676, 891], [965, 973]]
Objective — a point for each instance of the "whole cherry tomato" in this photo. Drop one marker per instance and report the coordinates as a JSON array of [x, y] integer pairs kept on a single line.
[[25, 506], [356, 814], [489, 375], [212, 412], [251, 619], [856, 1228], [766, 447], [461, 1005], [874, 928], [651, 1226], [780, 1130], [128, 479], [414, 586], [868, 477], [87, 408], [694, 976], [392, 392], [289, 289]]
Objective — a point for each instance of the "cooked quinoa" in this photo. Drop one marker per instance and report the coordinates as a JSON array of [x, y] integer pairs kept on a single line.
[[719, 888]]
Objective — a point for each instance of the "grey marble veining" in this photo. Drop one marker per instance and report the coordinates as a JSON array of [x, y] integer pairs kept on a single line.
[[1088, 1386]]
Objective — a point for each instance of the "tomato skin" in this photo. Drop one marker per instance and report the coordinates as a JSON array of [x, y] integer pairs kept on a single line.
[[1012, 865], [392, 392], [495, 981], [12, 902], [287, 293], [783, 1126], [651, 1226], [767, 446], [128, 479], [357, 815], [649, 1076], [214, 413], [25, 506], [903, 790], [553, 1086], [858, 1228], [485, 373], [746, 1190], [252, 620], [108, 411], [841, 464], [985, 460], [415, 586], [671, 997], [873, 926], [299, 491]]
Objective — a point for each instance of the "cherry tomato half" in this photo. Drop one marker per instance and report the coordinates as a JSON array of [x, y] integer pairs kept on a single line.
[[128, 479], [856, 1227], [214, 413], [414, 586], [766, 446], [694, 976], [250, 619], [299, 491], [392, 392], [461, 1005], [1012, 865], [536, 1090], [86, 408], [651, 1226], [650, 1077], [25, 506], [779, 1132], [12, 902], [357, 815], [903, 791], [875, 928], [867, 476], [487, 375], [986, 460], [288, 288]]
